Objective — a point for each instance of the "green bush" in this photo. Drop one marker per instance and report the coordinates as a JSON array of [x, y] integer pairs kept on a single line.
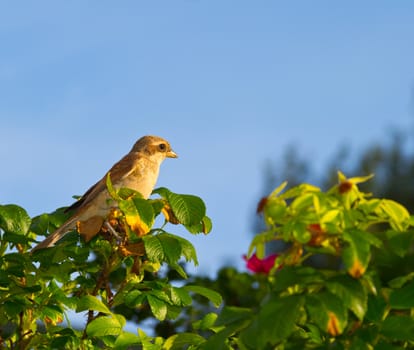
[[343, 277]]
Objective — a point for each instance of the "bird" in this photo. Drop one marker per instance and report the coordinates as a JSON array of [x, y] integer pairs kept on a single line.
[[137, 170]]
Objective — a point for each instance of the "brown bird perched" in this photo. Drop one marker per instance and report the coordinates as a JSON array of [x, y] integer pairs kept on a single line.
[[137, 170]]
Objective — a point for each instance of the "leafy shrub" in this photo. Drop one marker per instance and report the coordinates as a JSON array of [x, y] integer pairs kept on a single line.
[[343, 279]]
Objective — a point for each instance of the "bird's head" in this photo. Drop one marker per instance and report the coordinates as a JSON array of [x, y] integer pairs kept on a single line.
[[154, 146]]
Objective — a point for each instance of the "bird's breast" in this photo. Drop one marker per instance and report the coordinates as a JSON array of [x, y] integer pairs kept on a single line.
[[142, 178]]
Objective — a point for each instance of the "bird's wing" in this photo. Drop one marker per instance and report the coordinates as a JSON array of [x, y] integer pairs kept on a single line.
[[119, 170]]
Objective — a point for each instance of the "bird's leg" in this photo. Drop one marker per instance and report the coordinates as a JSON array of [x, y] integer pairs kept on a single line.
[[112, 230]]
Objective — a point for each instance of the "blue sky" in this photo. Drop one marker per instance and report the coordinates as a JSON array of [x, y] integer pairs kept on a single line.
[[229, 83]]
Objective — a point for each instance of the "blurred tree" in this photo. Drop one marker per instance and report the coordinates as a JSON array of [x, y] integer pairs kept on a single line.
[[391, 160]]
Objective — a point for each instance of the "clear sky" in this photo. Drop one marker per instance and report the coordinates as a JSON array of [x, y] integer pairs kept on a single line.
[[229, 83]]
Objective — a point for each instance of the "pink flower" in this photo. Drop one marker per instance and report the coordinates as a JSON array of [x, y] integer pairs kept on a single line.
[[257, 265]]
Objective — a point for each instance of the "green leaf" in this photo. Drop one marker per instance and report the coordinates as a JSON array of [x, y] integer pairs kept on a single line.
[[351, 292], [105, 325], [139, 214], [219, 341], [162, 247], [211, 295], [153, 248], [398, 282], [396, 212], [206, 323], [126, 340], [187, 250], [204, 226], [53, 313], [328, 312], [89, 302], [188, 209], [274, 323], [181, 340], [399, 328], [231, 314], [14, 219], [111, 190], [357, 254], [169, 248], [403, 298], [296, 275], [158, 307], [400, 242], [134, 298], [180, 297], [278, 189]]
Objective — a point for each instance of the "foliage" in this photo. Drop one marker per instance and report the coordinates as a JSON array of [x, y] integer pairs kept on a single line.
[[108, 279], [353, 305], [294, 301]]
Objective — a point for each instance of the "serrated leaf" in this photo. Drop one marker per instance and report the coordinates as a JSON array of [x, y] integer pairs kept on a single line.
[[204, 226], [89, 302], [158, 307], [206, 323], [14, 219], [169, 248], [52, 315], [211, 295], [397, 213], [328, 312], [403, 298], [139, 214], [275, 322], [134, 298], [351, 292], [105, 325], [126, 340], [357, 254], [180, 297], [400, 242], [188, 209], [187, 250], [163, 247], [153, 248], [398, 282], [398, 327], [232, 314], [182, 340]]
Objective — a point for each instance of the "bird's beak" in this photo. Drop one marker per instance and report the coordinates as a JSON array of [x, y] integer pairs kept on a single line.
[[171, 154]]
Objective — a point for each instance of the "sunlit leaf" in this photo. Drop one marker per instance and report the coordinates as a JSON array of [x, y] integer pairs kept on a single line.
[[181, 340], [211, 295], [206, 322], [126, 340], [357, 254], [188, 209], [139, 214], [181, 297], [351, 292], [397, 213], [14, 219], [274, 323], [158, 307], [105, 325], [328, 312], [89, 302]]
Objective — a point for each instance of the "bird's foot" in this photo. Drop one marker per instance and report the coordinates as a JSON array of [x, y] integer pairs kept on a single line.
[[112, 230]]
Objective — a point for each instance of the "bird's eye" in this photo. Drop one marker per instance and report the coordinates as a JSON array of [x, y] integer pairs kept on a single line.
[[162, 147]]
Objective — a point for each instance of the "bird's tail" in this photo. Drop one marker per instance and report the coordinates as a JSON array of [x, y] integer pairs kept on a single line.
[[57, 235]]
